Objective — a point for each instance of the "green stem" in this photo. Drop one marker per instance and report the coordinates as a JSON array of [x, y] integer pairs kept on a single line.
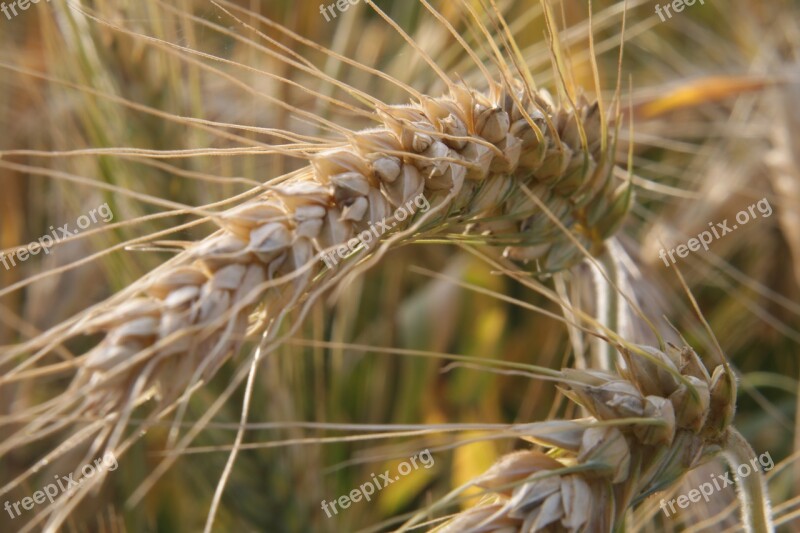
[[609, 317], [756, 513]]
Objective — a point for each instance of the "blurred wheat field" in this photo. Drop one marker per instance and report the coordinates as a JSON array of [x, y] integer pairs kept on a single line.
[[159, 116]]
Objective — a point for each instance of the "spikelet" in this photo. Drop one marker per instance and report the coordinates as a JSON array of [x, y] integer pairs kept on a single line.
[[594, 474]]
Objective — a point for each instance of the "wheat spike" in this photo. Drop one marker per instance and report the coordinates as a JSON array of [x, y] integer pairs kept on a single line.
[[465, 153], [594, 474]]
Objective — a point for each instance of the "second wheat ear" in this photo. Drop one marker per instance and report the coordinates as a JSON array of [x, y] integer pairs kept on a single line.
[[650, 424]]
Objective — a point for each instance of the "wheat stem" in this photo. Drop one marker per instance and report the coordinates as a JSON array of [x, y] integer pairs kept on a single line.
[[751, 489]]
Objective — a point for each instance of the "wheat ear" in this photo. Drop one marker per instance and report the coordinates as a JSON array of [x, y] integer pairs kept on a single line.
[[653, 421], [465, 154]]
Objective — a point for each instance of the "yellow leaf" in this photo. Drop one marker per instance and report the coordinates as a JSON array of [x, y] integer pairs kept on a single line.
[[701, 91], [471, 461]]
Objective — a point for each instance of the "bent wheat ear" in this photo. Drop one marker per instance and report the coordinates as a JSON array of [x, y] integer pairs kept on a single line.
[[596, 474], [464, 154]]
